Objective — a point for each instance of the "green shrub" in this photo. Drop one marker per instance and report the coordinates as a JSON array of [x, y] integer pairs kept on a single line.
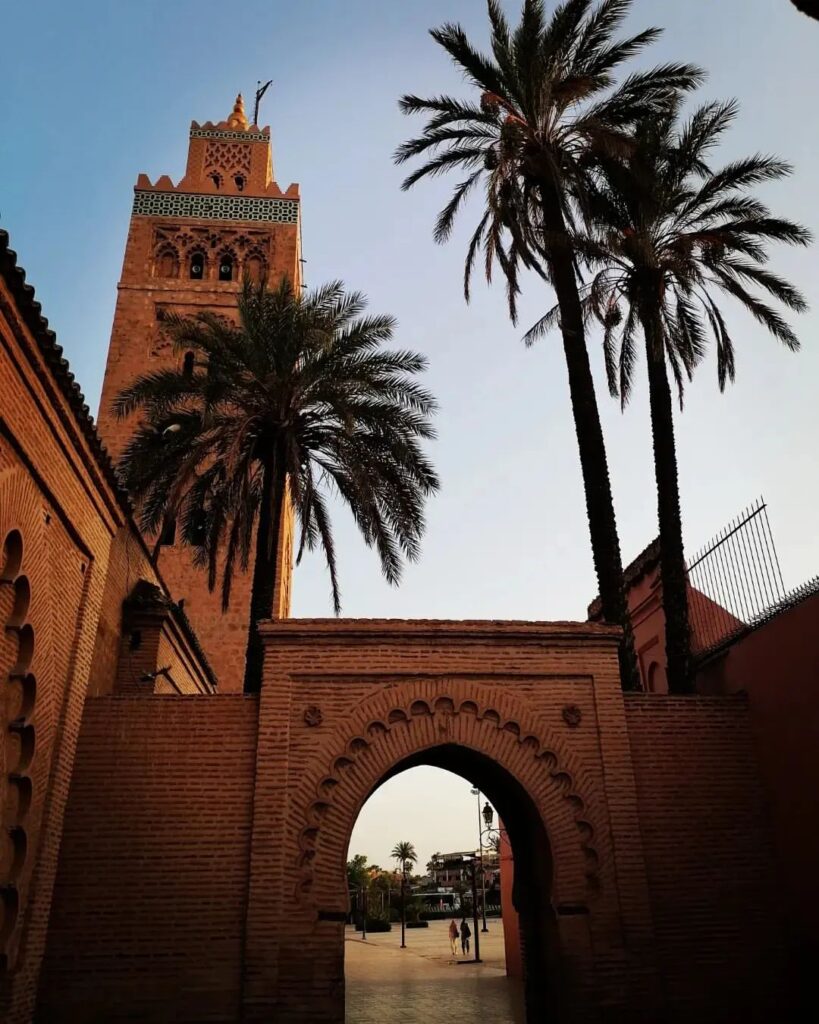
[[378, 924]]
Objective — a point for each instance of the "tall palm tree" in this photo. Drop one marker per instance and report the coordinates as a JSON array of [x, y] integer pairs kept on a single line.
[[809, 7], [405, 856], [298, 398], [546, 99], [669, 235]]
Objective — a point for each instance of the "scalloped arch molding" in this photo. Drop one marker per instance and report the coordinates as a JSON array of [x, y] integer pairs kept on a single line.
[[385, 730]]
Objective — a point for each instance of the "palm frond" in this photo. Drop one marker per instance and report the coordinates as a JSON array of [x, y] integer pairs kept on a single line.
[[301, 381]]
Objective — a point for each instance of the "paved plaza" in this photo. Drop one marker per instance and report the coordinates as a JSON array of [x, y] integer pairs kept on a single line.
[[424, 982]]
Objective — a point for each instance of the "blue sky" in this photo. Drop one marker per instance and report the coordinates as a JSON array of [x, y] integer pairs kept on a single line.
[[93, 93]]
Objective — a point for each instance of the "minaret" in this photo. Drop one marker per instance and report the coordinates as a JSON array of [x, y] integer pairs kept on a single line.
[[188, 247]]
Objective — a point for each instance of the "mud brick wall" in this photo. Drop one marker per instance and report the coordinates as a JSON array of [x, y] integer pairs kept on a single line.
[[58, 513], [777, 666], [708, 857], [151, 890]]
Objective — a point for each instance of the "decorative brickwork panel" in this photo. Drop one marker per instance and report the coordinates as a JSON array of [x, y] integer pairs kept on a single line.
[[253, 209], [42, 599], [188, 239], [36, 564], [229, 136], [227, 158]]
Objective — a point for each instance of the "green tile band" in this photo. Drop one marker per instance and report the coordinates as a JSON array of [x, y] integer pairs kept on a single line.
[[220, 133], [186, 204]]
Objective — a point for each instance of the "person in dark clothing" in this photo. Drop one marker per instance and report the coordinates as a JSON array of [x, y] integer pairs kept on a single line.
[[466, 934]]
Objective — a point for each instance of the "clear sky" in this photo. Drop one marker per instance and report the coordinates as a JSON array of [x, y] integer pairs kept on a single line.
[[95, 92]]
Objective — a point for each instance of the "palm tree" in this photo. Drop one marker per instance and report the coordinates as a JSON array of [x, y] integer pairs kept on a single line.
[[298, 398], [669, 234], [405, 856], [809, 7], [546, 100]]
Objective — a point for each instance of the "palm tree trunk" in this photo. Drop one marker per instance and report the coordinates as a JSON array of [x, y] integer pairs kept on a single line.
[[593, 462], [672, 554], [265, 566]]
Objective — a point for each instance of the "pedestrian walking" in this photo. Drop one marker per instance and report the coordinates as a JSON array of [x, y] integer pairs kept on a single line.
[[466, 933], [453, 936]]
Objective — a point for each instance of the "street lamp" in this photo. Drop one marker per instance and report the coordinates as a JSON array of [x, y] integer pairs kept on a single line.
[[493, 837], [404, 867], [477, 793], [488, 814]]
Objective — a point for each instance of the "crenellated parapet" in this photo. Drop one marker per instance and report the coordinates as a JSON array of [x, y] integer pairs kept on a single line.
[[164, 184], [229, 176]]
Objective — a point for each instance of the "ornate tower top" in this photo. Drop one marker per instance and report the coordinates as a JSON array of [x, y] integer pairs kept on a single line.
[[190, 245], [238, 119], [229, 176]]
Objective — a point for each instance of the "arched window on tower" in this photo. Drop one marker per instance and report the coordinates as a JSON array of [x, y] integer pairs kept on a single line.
[[216, 178], [187, 365], [226, 267], [239, 179], [197, 266], [167, 536], [167, 264], [199, 526], [255, 268]]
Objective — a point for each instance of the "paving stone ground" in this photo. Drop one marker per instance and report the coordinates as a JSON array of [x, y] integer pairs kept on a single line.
[[424, 983]]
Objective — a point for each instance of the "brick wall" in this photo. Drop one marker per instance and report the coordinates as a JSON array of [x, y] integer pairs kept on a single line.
[[206, 836], [61, 507], [708, 857], [150, 894], [777, 667], [127, 563], [55, 497]]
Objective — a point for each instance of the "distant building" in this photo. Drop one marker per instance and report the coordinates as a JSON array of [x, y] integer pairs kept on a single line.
[[453, 869]]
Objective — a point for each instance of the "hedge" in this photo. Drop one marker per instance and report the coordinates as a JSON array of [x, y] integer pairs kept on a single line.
[[448, 915]]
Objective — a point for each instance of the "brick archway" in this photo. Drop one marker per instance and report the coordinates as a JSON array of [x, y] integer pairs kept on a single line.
[[243, 807], [409, 721], [492, 740], [531, 712]]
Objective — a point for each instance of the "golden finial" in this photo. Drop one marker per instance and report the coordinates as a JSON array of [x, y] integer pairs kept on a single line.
[[238, 119]]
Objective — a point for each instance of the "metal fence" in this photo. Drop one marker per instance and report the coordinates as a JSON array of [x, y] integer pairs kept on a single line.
[[735, 581]]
